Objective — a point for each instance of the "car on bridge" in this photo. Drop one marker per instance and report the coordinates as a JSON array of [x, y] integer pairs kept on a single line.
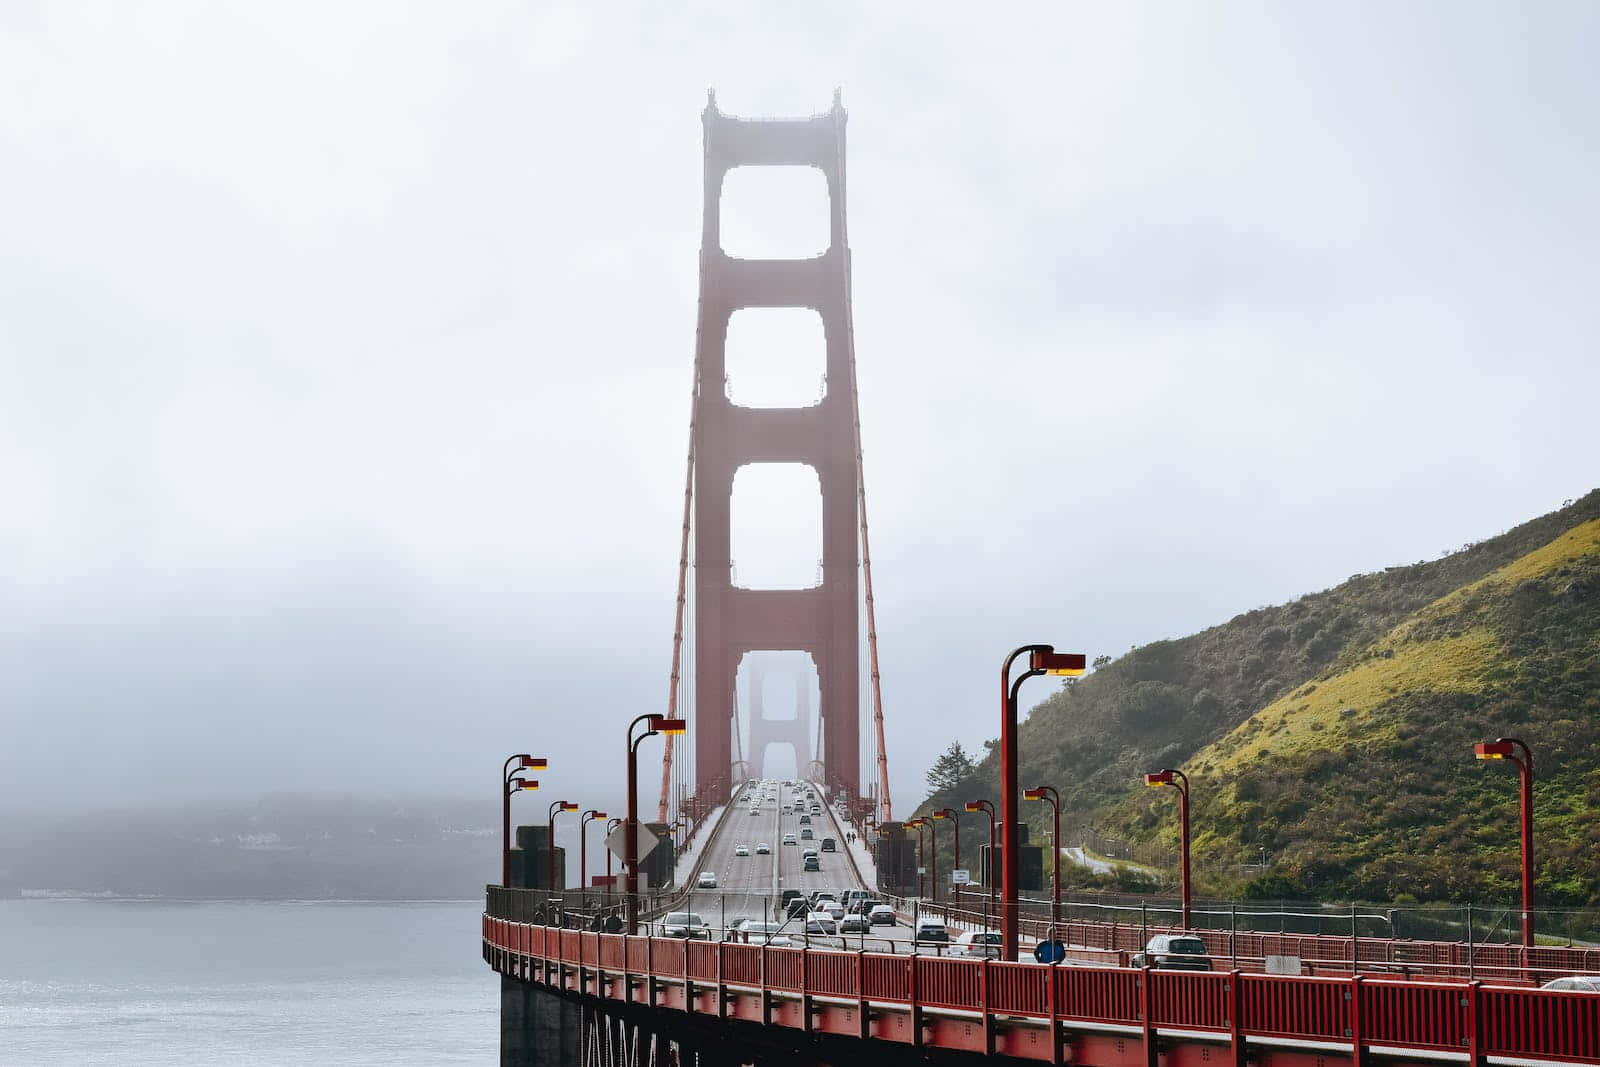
[[685, 924], [805, 820], [978, 944], [756, 932], [763, 849], [854, 922], [1574, 983], [820, 922], [931, 929], [741, 850], [806, 834], [708, 880], [811, 863], [1173, 952], [829, 845], [789, 839], [882, 915]]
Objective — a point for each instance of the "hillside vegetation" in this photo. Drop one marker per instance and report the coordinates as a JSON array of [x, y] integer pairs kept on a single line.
[[1335, 732]]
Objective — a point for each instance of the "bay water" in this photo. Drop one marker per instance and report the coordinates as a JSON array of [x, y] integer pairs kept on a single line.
[[137, 982]]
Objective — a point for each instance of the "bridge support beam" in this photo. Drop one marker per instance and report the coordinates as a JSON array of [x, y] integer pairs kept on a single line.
[[537, 1029]]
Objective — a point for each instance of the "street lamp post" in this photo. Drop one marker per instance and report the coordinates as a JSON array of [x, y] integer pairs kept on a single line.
[[955, 826], [654, 724], [523, 762], [1044, 792], [583, 845], [556, 808], [1042, 659], [1509, 748], [611, 824], [919, 823], [1179, 781], [987, 808], [933, 850]]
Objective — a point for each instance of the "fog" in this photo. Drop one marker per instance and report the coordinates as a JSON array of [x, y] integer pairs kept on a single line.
[[345, 353]]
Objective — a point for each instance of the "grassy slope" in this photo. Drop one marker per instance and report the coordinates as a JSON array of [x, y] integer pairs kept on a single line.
[[1335, 731]]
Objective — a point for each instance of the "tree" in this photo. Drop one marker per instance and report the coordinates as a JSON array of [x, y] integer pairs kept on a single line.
[[951, 770]]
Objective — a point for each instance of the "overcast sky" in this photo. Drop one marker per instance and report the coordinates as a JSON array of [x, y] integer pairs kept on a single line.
[[345, 350]]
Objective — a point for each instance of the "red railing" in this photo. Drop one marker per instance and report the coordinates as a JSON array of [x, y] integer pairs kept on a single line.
[[1418, 1015]]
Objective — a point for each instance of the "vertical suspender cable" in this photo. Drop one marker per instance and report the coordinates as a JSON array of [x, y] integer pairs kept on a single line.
[[861, 503], [683, 577]]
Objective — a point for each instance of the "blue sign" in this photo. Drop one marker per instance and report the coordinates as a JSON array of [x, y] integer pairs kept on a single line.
[[1050, 952]]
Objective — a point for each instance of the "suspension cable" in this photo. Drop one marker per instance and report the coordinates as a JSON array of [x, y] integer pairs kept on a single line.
[[683, 575]]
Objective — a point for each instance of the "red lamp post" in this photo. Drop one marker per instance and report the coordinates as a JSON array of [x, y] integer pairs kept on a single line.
[[1042, 659], [654, 724], [1044, 792], [955, 825], [1179, 781], [583, 845], [919, 823], [550, 848], [988, 876], [523, 762], [1509, 748], [611, 824]]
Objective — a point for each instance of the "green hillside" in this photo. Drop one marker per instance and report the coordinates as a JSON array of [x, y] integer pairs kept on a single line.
[[1335, 731]]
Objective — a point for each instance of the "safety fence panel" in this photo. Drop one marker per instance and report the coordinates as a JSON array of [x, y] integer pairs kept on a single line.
[[666, 955], [1540, 1023], [567, 946], [1295, 1007], [613, 953], [784, 968], [945, 983], [1018, 989], [589, 949], [741, 964], [886, 977], [638, 955], [1193, 1001], [702, 960], [1416, 1014], [831, 973], [1095, 994]]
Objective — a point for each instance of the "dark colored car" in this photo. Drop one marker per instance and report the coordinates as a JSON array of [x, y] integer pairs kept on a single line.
[[828, 844], [812, 863], [1174, 952]]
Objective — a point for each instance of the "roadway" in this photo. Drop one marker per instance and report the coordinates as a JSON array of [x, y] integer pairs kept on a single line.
[[749, 887]]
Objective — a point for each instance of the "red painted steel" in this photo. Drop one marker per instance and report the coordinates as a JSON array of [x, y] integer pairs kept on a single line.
[[1192, 1001], [1423, 1016]]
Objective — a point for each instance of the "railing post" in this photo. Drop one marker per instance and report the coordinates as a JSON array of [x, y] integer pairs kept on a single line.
[[1357, 1056], [1055, 1015], [649, 971], [766, 993], [915, 1004], [1152, 1055], [861, 995], [805, 986], [983, 1004], [722, 989], [1236, 1017], [1474, 1002]]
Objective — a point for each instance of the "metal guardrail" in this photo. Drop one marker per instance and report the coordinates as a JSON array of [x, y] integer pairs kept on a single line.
[[1157, 1007]]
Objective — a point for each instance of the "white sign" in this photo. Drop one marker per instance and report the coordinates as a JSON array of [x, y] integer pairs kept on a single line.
[[921, 871], [1283, 964], [617, 841], [960, 877]]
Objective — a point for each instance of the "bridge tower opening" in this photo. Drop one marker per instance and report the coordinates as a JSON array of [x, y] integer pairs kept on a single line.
[[730, 621]]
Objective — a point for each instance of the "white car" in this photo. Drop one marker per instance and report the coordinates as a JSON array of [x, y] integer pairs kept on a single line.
[[832, 907], [763, 849], [882, 915], [979, 944], [821, 922], [741, 850], [708, 880], [854, 923], [1575, 983], [931, 929], [757, 932], [788, 839]]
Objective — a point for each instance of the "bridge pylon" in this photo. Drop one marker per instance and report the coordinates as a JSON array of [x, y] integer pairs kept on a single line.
[[731, 621]]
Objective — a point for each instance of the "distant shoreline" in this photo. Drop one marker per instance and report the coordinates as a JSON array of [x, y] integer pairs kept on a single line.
[[117, 898]]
